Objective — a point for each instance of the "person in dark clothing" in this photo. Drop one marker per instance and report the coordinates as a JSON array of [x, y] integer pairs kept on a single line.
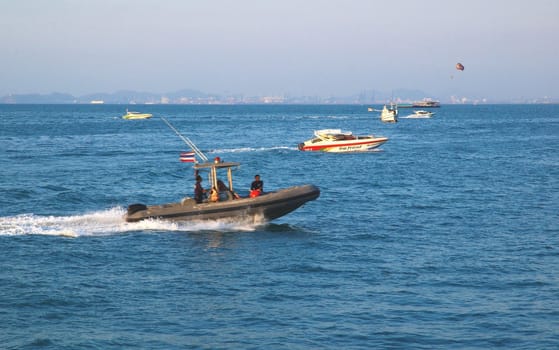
[[257, 186], [199, 191]]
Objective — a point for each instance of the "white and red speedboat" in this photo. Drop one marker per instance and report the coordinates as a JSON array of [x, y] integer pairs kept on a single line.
[[336, 140]]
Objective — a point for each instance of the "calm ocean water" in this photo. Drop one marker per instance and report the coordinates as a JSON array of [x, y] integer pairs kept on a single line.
[[447, 237]]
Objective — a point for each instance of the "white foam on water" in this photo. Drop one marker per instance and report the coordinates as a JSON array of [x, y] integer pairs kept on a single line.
[[110, 222], [252, 149], [335, 117]]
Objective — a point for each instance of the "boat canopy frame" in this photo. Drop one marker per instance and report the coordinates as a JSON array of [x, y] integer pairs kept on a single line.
[[213, 168]]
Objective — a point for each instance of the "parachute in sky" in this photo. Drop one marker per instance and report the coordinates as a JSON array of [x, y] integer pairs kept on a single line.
[[459, 66]]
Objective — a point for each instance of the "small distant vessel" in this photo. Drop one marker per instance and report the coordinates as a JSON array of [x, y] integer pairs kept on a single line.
[[389, 114], [420, 114], [136, 115], [426, 103], [336, 140]]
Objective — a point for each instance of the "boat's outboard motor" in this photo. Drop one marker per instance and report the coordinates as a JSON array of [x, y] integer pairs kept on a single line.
[[133, 208]]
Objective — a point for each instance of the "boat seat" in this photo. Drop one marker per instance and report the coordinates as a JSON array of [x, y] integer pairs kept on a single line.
[[187, 200], [225, 196]]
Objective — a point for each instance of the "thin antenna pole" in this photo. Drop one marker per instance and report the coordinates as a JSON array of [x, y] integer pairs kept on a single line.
[[187, 141]]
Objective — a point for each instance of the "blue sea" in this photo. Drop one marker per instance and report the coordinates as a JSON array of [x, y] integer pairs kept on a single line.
[[446, 237]]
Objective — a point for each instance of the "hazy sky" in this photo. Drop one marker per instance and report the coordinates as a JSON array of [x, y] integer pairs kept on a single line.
[[299, 47]]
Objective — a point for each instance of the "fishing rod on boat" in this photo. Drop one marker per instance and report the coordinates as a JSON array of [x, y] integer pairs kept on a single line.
[[187, 141]]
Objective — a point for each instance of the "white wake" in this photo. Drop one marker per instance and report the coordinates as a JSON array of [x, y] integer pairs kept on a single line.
[[252, 149], [110, 222]]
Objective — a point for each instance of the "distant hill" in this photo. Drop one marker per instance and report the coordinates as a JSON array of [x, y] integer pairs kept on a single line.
[[190, 96], [129, 96], [54, 98], [119, 97]]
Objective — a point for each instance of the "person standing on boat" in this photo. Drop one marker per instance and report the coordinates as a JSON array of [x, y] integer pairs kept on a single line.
[[257, 186], [199, 191]]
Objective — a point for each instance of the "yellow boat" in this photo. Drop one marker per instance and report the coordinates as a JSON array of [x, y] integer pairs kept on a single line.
[[136, 115]]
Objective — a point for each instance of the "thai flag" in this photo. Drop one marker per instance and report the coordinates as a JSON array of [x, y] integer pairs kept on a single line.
[[187, 157]]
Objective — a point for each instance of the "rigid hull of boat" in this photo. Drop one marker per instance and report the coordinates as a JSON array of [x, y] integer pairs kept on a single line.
[[268, 206]]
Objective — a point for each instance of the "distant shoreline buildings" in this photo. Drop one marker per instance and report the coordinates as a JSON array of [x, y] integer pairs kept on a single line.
[[193, 97]]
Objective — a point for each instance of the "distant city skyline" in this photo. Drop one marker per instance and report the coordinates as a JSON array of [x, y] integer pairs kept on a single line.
[[284, 48], [188, 96]]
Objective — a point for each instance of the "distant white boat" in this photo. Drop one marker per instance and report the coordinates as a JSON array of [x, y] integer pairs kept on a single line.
[[420, 114], [389, 114]]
